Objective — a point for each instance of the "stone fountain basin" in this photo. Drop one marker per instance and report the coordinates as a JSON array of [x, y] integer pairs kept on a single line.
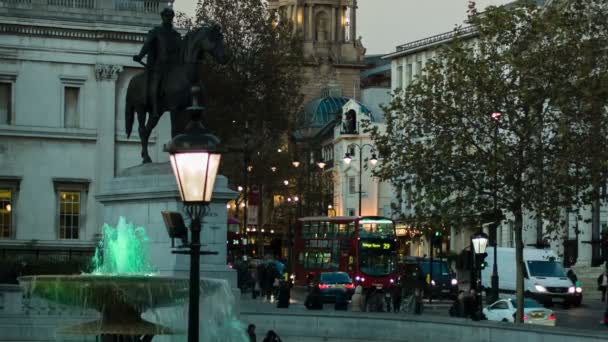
[[101, 291], [120, 299]]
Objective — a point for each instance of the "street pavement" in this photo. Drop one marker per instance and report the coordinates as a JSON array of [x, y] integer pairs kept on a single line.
[[586, 317]]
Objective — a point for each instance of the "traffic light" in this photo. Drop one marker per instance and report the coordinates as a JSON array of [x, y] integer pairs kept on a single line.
[[480, 260], [438, 238]]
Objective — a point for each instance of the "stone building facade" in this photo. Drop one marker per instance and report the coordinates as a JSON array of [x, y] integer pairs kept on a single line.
[[64, 71], [333, 53]]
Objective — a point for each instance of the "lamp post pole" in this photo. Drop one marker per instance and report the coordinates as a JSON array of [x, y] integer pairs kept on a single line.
[[373, 161], [494, 279], [195, 213]]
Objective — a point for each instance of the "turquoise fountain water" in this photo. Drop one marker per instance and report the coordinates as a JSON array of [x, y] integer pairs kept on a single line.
[[124, 286], [122, 250]]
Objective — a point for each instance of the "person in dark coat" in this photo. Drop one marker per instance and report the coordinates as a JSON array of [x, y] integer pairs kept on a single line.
[[314, 300], [396, 297], [251, 333], [284, 295], [261, 278], [341, 301], [458, 307], [471, 306], [271, 336]]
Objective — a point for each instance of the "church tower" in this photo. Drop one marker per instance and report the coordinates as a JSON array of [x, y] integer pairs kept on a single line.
[[333, 53]]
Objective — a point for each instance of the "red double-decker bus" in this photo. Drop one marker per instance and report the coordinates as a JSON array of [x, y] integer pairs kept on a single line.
[[364, 247]]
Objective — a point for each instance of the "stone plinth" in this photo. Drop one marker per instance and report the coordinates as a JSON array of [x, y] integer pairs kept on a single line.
[[142, 192]]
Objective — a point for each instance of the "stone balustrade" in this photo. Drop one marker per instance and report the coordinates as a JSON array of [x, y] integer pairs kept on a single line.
[[144, 12]]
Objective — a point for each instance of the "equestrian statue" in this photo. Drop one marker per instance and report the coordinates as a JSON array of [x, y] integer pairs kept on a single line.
[[171, 69]]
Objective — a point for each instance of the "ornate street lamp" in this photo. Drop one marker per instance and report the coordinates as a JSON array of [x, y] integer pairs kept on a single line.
[[373, 160], [195, 160], [480, 243]]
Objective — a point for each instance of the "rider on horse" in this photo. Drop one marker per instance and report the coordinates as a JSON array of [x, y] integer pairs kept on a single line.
[[162, 46]]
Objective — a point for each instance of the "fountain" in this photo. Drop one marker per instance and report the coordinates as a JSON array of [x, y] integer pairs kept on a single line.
[[124, 285]]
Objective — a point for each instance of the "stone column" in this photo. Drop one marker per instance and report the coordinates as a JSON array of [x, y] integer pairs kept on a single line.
[[311, 26], [333, 24], [106, 75], [294, 17], [353, 22]]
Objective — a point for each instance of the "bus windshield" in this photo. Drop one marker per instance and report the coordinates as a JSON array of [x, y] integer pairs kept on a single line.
[[374, 228], [376, 263], [539, 268]]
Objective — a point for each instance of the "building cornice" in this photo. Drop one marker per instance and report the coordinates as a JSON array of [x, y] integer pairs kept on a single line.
[[71, 33], [429, 42]]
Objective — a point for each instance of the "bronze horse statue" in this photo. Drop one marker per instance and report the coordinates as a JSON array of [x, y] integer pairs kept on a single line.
[[176, 89]]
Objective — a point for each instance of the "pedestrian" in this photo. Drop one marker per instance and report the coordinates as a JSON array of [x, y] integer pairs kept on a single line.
[[396, 297], [602, 284], [261, 279], [271, 336], [314, 300], [251, 333], [356, 302], [572, 276], [255, 285], [415, 305], [388, 300], [284, 295], [471, 306], [341, 301], [457, 308]]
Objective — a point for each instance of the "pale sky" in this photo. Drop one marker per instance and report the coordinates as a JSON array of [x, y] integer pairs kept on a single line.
[[384, 24]]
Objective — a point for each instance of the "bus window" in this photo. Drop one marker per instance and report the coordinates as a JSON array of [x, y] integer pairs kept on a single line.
[[316, 259], [376, 229], [323, 230], [351, 229], [332, 229], [306, 230]]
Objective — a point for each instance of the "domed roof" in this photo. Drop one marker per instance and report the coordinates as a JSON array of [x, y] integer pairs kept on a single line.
[[319, 112]]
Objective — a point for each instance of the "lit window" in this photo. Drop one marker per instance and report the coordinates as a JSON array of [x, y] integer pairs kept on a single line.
[[6, 212], [71, 203], [69, 214]]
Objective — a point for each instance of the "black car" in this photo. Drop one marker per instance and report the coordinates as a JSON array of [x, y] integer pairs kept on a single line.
[[332, 283], [443, 283]]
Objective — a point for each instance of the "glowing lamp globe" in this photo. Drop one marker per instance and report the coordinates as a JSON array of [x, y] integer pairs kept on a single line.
[[195, 161], [480, 243], [347, 158]]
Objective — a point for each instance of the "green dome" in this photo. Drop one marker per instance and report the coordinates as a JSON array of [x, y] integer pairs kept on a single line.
[[319, 112]]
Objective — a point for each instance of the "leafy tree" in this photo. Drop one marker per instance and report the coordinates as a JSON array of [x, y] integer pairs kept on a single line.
[[444, 138], [252, 99], [581, 28]]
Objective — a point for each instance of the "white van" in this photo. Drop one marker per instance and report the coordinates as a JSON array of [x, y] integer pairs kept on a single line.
[[544, 277]]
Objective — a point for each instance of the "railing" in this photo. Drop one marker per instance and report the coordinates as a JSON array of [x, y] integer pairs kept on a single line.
[[437, 38], [72, 3], [147, 6], [85, 7], [15, 3]]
